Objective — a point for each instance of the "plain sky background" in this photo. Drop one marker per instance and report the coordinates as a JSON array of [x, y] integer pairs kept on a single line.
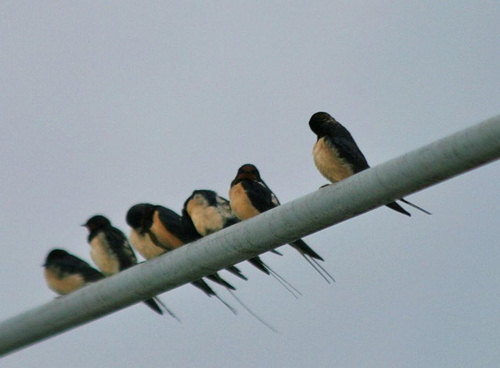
[[107, 104]]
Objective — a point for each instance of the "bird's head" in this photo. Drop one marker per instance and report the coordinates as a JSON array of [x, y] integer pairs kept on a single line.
[[320, 122], [247, 172], [54, 256], [97, 222], [140, 216]]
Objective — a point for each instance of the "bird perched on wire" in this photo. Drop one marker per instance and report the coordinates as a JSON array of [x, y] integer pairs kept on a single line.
[[112, 253], [249, 196], [206, 212], [140, 218], [65, 273], [164, 228], [337, 156], [156, 229]]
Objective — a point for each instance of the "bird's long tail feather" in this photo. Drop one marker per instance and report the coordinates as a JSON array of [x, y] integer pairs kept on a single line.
[[168, 310], [202, 285], [151, 303], [236, 271], [302, 247], [415, 206], [219, 280], [319, 269], [396, 207], [291, 289], [259, 264], [255, 315]]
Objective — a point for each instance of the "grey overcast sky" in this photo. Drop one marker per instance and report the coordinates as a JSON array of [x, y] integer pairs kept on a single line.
[[107, 104]]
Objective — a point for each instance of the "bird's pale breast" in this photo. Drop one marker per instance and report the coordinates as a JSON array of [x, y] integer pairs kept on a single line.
[[144, 245], [240, 203], [165, 237], [63, 283], [329, 163], [102, 255], [206, 220]]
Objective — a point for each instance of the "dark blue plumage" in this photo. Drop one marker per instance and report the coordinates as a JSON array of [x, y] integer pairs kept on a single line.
[[337, 156], [249, 196]]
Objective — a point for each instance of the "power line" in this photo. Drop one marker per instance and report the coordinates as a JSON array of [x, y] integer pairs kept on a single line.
[[325, 207]]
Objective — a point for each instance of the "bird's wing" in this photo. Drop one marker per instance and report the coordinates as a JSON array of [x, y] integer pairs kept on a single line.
[[71, 264], [121, 247], [343, 141], [260, 195], [174, 224]]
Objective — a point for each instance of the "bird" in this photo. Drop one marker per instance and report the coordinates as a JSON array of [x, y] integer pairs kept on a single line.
[[249, 196], [337, 156], [112, 253], [164, 229], [65, 273], [140, 218], [156, 229], [206, 212]]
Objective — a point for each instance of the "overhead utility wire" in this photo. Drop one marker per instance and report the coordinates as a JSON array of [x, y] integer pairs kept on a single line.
[[325, 207]]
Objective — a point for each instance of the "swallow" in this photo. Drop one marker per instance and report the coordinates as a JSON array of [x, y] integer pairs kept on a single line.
[[140, 218], [65, 273], [210, 214], [337, 156], [249, 196], [156, 229], [169, 232], [207, 212], [112, 253], [150, 243]]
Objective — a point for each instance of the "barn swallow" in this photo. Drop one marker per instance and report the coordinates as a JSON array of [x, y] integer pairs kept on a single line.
[[249, 196], [207, 212], [337, 156], [140, 218], [65, 273], [156, 230], [149, 242], [112, 253], [169, 232]]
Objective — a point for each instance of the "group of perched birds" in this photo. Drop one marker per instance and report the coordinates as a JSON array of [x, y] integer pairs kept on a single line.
[[156, 229]]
